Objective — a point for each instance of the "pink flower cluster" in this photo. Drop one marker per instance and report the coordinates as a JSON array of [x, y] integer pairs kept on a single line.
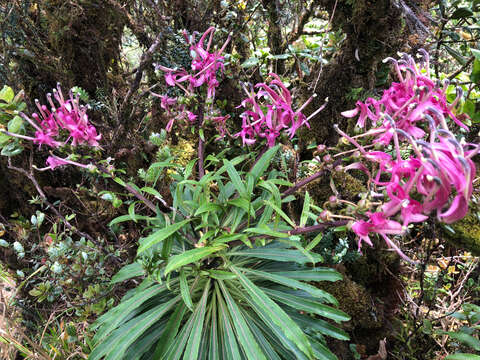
[[269, 112], [437, 176], [406, 102], [204, 65], [69, 116], [49, 125]]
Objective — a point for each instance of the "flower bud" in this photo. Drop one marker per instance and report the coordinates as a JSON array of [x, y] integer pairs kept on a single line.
[[325, 215], [333, 201], [321, 148]]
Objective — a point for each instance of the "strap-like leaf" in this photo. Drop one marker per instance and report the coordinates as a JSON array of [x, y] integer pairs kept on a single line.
[[320, 325], [190, 256], [235, 178], [193, 345], [305, 210], [283, 255], [115, 316], [310, 306], [316, 274], [295, 284], [265, 160], [228, 339], [127, 272], [275, 313], [171, 330], [131, 331], [160, 235], [184, 290], [244, 335]]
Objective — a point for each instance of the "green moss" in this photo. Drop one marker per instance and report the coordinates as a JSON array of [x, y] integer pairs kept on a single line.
[[357, 303], [466, 232], [348, 186]]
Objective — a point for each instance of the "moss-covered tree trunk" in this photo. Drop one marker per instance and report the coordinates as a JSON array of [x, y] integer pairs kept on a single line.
[[373, 30], [74, 42]]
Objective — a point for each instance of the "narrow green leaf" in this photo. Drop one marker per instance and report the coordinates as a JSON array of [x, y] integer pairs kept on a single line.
[[316, 274], [321, 351], [221, 275], [462, 356], [294, 284], [244, 204], [184, 290], [175, 350], [466, 339], [207, 208], [189, 168], [160, 235], [283, 255], [152, 191], [115, 316], [229, 343], [305, 210], [193, 345], [171, 330], [190, 256], [268, 347], [264, 162], [314, 242], [291, 330], [265, 230], [281, 213], [235, 178], [124, 218], [244, 335], [142, 324], [127, 272], [305, 321], [213, 346], [131, 212], [310, 306], [456, 55]]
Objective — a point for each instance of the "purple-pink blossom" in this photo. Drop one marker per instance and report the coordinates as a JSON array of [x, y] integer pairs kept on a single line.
[[204, 66], [268, 113], [407, 102], [437, 176], [68, 115]]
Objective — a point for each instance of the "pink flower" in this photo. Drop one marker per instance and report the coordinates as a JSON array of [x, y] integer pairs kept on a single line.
[[379, 224], [269, 112], [407, 102], [54, 162], [69, 116], [205, 65]]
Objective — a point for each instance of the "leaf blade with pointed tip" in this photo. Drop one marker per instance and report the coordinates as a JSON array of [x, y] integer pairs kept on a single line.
[[160, 235], [276, 314], [190, 256]]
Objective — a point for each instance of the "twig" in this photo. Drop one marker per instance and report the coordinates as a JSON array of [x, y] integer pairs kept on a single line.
[[31, 177], [145, 61], [316, 228], [463, 68], [139, 196]]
